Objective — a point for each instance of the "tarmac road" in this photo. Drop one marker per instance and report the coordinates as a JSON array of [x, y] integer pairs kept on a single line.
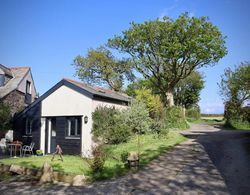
[[229, 151]]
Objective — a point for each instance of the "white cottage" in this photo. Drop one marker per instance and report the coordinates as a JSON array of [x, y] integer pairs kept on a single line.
[[63, 115]]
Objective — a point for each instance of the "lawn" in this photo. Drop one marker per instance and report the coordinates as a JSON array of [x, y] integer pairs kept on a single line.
[[151, 147]]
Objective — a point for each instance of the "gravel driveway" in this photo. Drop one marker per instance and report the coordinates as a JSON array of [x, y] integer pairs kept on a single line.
[[213, 161]]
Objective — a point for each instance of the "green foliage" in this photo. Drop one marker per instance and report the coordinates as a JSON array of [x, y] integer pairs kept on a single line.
[[187, 91], [137, 117], [5, 117], [193, 114], [120, 132], [99, 66], [167, 51], [109, 126], [235, 90], [238, 124], [175, 119], [152, 102], [235, 84], [137, 85], [96, 163], [103, 119], [124, 156], [39, 152]]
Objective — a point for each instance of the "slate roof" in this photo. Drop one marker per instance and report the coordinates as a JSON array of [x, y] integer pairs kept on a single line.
[[6, 70], [98, 91], [17, 74]]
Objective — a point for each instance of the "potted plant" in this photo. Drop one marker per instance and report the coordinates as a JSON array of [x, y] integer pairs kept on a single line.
[[39, 152]]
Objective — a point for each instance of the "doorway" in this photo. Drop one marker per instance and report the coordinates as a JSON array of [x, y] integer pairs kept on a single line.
[[53, 135], [50, 138]]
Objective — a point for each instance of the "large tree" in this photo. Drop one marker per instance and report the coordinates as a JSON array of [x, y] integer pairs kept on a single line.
[[187, 91], [235, 90], [100, 67], [167, 50], [235, 84]]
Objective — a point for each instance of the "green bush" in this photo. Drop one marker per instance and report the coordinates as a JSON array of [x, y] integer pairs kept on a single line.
[[238, 124], [96, 163], [108, 126], [5, 116], [39, 152], [174, 119], [152, 102], [136, 117], [124, 156], [193, 114], [120, 132]]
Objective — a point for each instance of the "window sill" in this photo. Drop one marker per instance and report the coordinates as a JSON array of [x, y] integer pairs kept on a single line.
[[72, 137]]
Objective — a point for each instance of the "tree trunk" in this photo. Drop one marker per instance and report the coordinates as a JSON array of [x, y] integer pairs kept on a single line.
[[170, 98]]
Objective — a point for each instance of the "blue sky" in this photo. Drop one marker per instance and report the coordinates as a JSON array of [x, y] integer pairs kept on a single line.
[[47, 35]]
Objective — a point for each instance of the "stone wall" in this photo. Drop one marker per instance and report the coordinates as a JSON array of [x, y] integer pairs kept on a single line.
[[16, 101]]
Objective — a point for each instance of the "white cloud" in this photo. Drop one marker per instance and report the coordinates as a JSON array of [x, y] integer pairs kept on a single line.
[[167, 11], [175, 10], [212, 107]]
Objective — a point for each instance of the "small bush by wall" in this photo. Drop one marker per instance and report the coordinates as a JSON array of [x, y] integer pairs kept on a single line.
[[174, 118], [193, 114], [96, 163], [108, 126], [137, 118]]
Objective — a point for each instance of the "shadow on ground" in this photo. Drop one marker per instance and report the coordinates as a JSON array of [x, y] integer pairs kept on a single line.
[[229, 150]]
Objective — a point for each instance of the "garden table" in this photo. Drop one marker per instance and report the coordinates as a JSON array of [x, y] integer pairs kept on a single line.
[[14, 147]]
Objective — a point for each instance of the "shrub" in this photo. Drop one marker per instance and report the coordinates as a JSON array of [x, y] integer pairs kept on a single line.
[[96, 163], [5, 116], [136, 117], [236, 116], [152, 102], [124, 156], [39, 152], [193, 113], [120, 132], [109, 126], [238, 124], [174, 119]]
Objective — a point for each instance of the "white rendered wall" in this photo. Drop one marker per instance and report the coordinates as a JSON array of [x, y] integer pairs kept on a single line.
[[98, 103], [68, 102]]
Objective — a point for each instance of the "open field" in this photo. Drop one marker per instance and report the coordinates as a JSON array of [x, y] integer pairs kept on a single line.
[[212, 117]]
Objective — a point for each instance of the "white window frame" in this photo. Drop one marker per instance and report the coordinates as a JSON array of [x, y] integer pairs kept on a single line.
[[76, 127]]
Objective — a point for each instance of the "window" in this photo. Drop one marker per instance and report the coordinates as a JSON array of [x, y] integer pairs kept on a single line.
[[28, 87], [28, 128], [74, 126]]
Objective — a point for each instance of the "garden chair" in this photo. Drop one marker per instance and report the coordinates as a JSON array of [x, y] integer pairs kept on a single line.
[[27, 148]]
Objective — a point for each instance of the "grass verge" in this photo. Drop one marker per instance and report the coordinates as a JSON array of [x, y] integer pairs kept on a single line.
[[151, 146], [238, 125]]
